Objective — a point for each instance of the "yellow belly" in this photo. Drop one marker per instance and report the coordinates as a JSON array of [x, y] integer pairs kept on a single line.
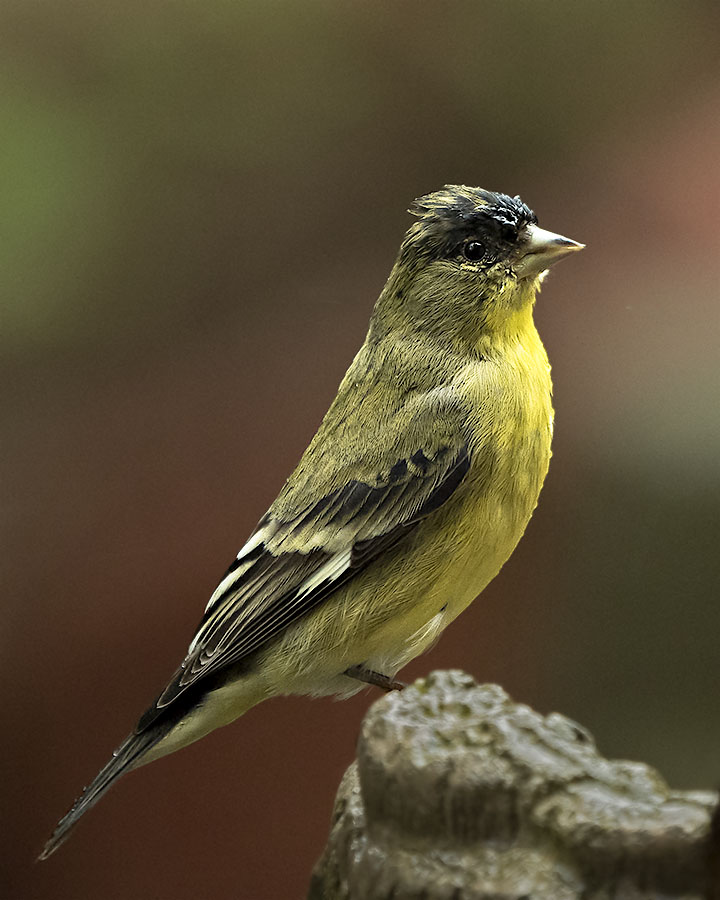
[[397, 608]]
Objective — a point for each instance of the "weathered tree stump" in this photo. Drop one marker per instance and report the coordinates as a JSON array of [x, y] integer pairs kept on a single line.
[[458, 793]]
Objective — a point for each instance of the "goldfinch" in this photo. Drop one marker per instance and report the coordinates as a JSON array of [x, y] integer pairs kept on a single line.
[[415, 490]]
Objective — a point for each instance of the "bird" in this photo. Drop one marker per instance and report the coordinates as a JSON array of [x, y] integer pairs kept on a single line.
[[413, 493]]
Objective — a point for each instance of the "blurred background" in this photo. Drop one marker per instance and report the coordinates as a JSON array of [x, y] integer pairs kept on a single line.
[[200, 204]]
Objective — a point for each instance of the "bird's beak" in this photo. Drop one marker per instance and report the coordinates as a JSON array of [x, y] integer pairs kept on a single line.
[[541, 249]]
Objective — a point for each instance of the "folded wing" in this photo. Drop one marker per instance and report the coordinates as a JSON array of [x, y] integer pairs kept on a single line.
[[272, 583]]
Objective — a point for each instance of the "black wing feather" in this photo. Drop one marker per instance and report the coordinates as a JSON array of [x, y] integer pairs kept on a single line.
[[263, 599], [266, 596]]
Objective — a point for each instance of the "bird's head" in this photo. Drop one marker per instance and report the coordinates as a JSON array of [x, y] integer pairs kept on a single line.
[[472, 261]]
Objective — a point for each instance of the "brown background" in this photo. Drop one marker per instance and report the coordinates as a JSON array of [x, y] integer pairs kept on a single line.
[[200, 203]]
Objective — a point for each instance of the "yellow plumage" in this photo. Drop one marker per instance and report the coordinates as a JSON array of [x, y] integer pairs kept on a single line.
[[394, 612], [412, 495]]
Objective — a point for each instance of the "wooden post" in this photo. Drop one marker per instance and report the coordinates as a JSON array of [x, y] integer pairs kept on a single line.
[[458, 793]]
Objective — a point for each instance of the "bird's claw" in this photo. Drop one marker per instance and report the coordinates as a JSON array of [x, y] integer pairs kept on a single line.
[[377, 679]]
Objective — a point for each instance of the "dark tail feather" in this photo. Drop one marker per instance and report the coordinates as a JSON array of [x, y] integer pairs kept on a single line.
[[131, 749]]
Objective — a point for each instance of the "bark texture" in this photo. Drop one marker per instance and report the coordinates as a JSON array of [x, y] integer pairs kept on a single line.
[[460, 794]]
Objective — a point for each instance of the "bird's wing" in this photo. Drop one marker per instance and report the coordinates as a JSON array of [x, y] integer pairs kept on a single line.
[[322, 530], [309, 544]]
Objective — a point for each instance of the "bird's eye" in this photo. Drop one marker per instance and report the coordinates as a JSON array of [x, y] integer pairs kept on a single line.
[[473, 250]]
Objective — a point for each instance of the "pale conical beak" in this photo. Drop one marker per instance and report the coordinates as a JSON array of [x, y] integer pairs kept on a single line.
[[541, 249]]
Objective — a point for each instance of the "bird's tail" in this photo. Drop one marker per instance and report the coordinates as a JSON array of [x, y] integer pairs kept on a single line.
[[123, 760]]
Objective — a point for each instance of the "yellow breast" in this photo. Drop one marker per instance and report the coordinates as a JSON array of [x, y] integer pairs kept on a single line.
[[510, 395], [388, 616]]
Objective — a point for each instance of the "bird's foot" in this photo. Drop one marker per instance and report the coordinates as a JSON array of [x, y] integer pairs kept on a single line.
[[360, 673]]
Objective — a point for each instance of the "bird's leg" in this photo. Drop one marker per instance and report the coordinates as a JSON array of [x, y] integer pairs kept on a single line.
[[375, 678]]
